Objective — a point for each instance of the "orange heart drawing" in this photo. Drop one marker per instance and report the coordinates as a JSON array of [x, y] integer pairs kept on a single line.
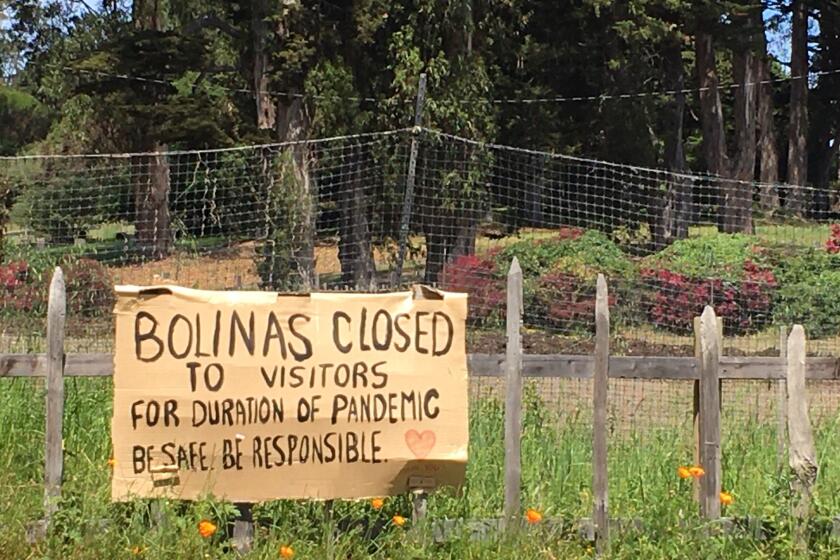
[[420, 444]]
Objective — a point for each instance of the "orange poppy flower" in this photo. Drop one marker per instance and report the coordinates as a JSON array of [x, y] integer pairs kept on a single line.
[[206, 529], [684, 472], [533, 516], [112, 462], [697, 471], [287, 552], [137, 550], [398, 520], [377, 503], [726, 498]]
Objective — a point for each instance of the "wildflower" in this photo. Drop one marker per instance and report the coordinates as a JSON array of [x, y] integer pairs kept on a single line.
[[112, 462], [137, 550], [684, 472], [726, 498], [697, 472], [533, 516], [206, 529], [377, 503], [287, 552], [398, 520]]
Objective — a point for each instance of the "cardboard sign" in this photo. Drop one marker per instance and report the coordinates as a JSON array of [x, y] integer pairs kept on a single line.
[[252, 396]]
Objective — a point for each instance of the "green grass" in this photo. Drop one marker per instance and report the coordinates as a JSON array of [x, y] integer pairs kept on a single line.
[[556, 480]]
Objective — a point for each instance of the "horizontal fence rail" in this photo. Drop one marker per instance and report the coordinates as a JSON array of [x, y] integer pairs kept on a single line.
[[561, 366]]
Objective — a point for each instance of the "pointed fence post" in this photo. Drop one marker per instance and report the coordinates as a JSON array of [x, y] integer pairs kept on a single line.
[[710, 414], [599, 428], [54, 452], [803, 456], [513, 396]]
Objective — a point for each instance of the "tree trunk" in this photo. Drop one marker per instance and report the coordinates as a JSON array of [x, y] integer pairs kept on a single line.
[[767, 148], [355, 251], [738, 217], [151, 190], [735, 196], [798, 128], [714, 140], [266, 115], [293, 126], [151, 206], [672, 207], [825, 156]]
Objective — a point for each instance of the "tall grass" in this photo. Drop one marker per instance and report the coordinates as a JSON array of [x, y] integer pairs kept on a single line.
[[556, 452]]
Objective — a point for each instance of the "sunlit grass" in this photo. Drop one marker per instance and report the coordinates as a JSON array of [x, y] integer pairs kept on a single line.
[[556, 452]]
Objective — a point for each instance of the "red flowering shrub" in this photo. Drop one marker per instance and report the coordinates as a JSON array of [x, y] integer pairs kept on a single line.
[[566, 301], [674, 299], [88, 285], [20, 290], [832, 245], [480, 279], [89, 288]]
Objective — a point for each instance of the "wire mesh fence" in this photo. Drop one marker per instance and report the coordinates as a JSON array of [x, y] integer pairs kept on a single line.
[[330, 214]]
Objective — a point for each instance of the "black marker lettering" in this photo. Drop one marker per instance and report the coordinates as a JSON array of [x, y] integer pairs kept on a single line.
[[343, 348], [307, 345], [139, 337]]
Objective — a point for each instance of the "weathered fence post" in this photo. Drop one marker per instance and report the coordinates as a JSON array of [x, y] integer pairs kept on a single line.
[[419, 505], [697, 414], [803, 456], [513, 395], [599, 428], [781, 404], [710, 414], [243, 529], [54, 452]]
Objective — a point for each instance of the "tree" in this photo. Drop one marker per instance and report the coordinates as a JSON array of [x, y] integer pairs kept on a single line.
[[767, 144], [798, 127], [824, 135], [735, 212]]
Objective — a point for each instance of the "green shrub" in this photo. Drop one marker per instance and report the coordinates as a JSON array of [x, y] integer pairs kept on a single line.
[[809, 292], [560, 274], [571, 251], [719, 256], [64, 202]]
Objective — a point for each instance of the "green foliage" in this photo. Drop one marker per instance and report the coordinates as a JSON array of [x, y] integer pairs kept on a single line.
[[809, 292], [62, 201], [23, 119], [720, 256], [583, 255]]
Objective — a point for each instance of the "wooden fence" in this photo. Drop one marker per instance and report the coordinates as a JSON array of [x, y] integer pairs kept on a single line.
[[706, 369]]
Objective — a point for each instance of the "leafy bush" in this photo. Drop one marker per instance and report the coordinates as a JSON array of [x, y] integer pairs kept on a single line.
[[537, 256], [721, 256], [19, 290], [809, 292], [89, 286], [560, 275], [65, 203], [24, 290], [729, 272], [832, 244], [482, 280], [674, 299]]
